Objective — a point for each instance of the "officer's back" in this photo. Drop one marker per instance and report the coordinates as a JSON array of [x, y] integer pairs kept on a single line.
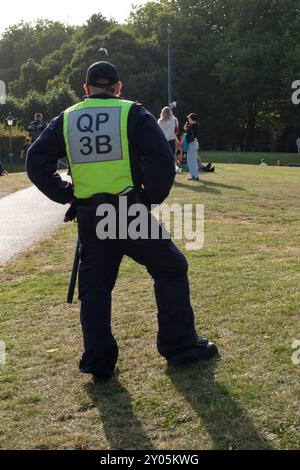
[[116, 150]]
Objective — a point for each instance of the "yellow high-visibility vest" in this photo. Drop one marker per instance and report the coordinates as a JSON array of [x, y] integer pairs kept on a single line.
[[95, 133]]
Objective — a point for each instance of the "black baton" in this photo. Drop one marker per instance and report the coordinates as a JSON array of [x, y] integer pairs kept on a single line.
[[74, 275]]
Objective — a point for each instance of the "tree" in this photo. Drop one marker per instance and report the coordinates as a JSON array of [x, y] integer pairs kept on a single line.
[[250, 59], [25, 41], [96, 25], [234, 62], [32, 77]]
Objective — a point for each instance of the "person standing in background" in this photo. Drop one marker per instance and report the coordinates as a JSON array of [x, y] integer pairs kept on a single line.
[[191, 128], [25, 149], [298, 145], [36, 127], [169, 125]]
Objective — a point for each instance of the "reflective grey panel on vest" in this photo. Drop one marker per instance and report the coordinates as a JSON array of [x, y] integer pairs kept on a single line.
[[95, 135]]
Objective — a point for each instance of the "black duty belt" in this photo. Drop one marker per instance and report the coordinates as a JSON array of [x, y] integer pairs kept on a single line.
[[134, 196], [85, 202]]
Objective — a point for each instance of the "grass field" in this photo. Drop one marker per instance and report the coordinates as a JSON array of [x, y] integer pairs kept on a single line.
[[245, 293], [13, 182], [249, 158]]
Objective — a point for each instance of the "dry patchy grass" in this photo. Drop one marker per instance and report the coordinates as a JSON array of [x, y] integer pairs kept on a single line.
[[13, 182], [245, 293]]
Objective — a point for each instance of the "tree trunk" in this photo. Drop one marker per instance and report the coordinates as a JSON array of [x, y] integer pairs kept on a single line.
[[251, 124], [273, 139]]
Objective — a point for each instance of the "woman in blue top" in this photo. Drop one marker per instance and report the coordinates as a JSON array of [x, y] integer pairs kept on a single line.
[[191, 128]]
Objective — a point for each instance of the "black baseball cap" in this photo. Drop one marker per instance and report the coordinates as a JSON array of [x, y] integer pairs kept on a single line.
[[100, 71]]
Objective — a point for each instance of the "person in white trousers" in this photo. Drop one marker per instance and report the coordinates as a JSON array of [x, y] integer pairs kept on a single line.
[[169, 125], [192, 132]]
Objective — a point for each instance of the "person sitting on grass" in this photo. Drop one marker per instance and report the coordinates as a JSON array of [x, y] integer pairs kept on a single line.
[[178, 156], [202, 168], [184, 148], [2, 171], [207, 169]]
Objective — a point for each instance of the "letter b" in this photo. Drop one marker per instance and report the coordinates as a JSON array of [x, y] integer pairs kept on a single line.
[[103, 144]]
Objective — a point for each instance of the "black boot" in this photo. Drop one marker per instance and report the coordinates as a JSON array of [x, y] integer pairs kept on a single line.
[[202, 350]]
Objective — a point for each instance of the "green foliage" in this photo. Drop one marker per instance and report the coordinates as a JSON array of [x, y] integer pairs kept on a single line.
[[25, 41], [17, 144], [50, 104], [32, 77], [96, 25], [18, 138], [16, 131], [234, 63]]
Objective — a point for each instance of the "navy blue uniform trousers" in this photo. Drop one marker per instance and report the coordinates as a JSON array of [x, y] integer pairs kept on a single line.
[[98, 270]]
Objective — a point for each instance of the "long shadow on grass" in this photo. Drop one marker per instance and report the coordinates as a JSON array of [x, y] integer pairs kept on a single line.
[[122, 428], [226, 422], [198, 187], [207, 186]]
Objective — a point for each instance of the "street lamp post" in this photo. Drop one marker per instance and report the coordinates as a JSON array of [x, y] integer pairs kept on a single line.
[[170, 91], [10, 122]]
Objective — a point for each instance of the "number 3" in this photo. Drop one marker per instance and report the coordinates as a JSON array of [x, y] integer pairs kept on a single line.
[[88, 141]]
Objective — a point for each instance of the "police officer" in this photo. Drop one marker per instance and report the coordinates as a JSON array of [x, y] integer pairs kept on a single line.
[[116, 148]]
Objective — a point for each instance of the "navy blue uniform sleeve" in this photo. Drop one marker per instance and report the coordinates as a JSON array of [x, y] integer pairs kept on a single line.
[[156, 159], [42, 159]]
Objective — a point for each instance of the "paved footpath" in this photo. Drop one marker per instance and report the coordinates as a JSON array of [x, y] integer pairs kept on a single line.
[[26, 216]]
